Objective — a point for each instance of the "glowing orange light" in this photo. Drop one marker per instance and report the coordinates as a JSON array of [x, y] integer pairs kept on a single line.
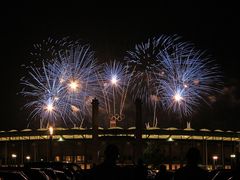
[[50, 130], [74, 85]]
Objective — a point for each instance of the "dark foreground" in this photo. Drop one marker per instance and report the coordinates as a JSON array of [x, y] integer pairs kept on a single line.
[[71, 171]]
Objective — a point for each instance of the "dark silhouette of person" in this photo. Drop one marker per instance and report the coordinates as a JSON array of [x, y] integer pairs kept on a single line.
[[191, 171], [141, 171], [108, 169], [163, 174]]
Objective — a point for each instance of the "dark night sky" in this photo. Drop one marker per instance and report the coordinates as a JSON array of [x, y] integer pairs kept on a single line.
[[111, 31]]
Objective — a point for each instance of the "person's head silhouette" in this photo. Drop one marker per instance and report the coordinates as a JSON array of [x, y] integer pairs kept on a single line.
[[162, 168], [111, 154], [140, 162], [193, 156]]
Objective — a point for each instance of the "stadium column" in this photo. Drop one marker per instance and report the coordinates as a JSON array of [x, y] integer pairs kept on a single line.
[[95, 105], [138, 131], [50, 128], [6, 153]]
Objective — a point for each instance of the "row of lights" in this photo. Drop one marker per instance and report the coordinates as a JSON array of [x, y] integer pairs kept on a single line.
[[216, 157], [14, 156]]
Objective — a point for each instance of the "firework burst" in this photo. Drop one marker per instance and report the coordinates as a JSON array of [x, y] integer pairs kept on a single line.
[[163, 72], [62, 89], [184, 81], [114, 80], [43, 92], [145, 60], [77, 70]]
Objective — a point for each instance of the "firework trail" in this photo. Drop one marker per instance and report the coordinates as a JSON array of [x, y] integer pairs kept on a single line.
[[114, 80]]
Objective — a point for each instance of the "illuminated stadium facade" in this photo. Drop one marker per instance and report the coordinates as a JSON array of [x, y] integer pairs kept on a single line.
[[86, 146], [77, 145]]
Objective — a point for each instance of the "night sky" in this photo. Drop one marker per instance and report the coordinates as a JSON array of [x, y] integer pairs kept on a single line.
[[113, 30]]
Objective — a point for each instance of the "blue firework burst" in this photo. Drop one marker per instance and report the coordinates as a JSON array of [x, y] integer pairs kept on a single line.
[[114, 80], [184, 81], [63, 88], [145, 60], [43, 92]]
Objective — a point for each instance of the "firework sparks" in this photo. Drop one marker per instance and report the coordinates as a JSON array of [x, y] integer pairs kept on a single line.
[[188, 81], [61, 89], [49, 49], [162, 71], [146, 59], [74, 85], [44, 92], [114, 82], [177, 97]]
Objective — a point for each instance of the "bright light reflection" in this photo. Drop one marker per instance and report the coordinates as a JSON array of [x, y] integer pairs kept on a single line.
[[28, 157], [14, 155], [215, 157], [233, 155]]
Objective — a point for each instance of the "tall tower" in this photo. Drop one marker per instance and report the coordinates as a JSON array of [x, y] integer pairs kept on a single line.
[[139, 129], [95, 106]]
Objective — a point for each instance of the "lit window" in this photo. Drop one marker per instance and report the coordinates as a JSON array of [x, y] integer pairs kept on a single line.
[[57, 158], [68, 158], [80, 158]]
